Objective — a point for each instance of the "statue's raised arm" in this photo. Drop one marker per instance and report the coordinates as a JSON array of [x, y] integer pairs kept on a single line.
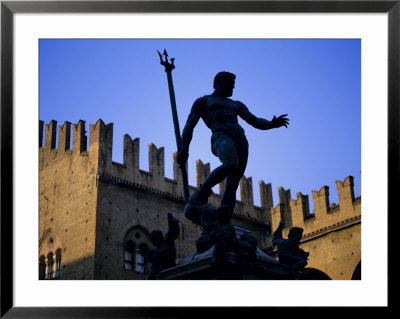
[[260, 123]]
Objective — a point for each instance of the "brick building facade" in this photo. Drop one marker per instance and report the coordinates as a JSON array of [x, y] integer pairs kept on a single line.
[[95, 215]]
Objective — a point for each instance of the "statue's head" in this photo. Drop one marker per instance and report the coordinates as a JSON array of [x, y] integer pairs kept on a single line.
[[295, 234], [157, 237], [224, 82]]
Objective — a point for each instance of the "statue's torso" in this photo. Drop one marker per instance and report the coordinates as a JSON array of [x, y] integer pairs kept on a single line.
[[221, 115]]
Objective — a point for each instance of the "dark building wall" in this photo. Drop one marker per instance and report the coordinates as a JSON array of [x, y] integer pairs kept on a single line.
[[122, 208]]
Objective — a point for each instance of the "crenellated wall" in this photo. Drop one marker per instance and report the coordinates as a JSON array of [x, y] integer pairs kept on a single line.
[[70, 176], [292, 211], [296, 212], [332, 232], [100, 153]]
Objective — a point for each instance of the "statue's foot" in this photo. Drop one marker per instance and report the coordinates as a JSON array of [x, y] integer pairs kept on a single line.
[[200, 197]]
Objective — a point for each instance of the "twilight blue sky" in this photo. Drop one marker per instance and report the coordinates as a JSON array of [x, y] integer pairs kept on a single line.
[[316, 82]]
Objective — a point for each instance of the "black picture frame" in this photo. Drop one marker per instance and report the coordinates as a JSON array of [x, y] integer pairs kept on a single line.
[[9, 8]]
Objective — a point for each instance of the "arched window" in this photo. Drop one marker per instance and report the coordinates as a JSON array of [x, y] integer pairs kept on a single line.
[[129, 254], [42, 267], [50, 266], [58, 263], [136, 243], [140, 256], [50, 248]]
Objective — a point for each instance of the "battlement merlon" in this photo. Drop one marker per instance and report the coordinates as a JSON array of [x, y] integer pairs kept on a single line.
[[156, 161], [300, 209], [277, 215], [100, 144], [266, 199], [321, 201], [202, 171], [50, 135], [175, 168], [284, 198], [131, 152], [64, 137], [246, 190], [79, 139], [345, 191]]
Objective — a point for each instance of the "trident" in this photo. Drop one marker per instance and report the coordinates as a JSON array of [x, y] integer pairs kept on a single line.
[[168, 69]]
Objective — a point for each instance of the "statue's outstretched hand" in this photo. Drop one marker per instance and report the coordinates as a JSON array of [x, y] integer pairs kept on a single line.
[[280, 121]]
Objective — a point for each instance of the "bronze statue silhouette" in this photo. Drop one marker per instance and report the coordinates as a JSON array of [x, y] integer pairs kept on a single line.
[[164, 254], [289, 252], [218, 230], [228, 142]]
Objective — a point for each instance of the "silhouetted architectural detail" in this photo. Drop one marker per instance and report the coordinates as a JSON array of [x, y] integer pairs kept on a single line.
[[228, 141], [289, 252], [164, 254]]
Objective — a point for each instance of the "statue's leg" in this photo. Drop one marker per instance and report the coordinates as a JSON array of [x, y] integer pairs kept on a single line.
[[226, 152], [233, 179]]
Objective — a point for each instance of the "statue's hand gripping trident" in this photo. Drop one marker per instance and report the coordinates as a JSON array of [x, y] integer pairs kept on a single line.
[[169, 66]]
